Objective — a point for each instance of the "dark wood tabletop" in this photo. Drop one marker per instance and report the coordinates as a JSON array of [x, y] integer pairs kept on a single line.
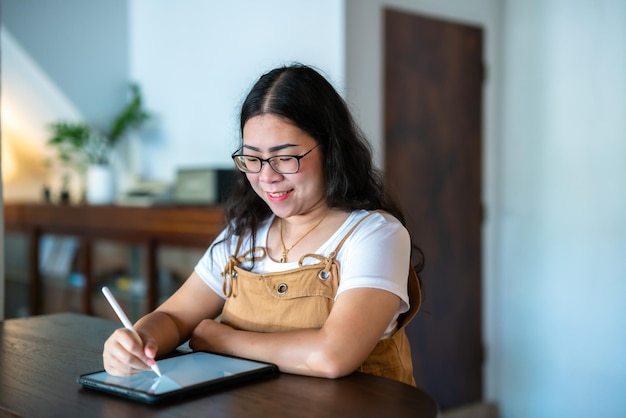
[[41, 357]]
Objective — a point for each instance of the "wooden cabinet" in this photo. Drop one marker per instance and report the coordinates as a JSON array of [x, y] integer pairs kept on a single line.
[[145, 227]]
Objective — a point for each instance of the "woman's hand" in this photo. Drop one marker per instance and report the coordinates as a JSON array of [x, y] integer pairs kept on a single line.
[[161, 331], [127, 352], [210, 335]]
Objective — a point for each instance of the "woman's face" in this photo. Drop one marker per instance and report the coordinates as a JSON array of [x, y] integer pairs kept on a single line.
[[287, 195]]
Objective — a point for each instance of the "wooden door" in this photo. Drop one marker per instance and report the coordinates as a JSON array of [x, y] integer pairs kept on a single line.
[[433, 109]]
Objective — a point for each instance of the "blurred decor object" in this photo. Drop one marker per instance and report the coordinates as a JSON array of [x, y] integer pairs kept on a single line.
[[145, 193], [99, 187], [88, 149], [195, 186], [202, 186]]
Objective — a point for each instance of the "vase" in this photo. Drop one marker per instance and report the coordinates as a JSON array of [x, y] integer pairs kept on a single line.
[[100, 187]]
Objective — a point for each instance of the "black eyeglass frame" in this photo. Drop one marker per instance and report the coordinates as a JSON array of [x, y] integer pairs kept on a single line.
[[268, 161]]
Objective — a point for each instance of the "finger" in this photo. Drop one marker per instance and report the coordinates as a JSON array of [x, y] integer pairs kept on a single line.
[[129, 340], [116, 367], [150, 349], [123, 353], [137, 344], [118, 361], [120, 353]]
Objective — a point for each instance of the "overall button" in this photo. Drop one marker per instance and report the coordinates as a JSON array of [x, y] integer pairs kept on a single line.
[[323, 275], [281, 289]]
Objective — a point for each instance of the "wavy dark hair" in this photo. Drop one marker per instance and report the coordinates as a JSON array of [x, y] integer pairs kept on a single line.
[[302, 95]]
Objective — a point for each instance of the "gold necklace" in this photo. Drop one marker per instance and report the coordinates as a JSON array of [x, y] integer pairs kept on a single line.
[[286, 250]]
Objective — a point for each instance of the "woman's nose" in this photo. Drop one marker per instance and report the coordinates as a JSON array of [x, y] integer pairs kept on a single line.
[[268, 174]]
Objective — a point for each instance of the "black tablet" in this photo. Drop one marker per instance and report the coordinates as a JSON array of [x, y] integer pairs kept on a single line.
[[184, 375]]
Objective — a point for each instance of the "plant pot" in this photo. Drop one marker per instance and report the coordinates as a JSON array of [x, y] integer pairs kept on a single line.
[[100, 187]]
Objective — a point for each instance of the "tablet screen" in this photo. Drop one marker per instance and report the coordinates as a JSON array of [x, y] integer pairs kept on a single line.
[[179, 374]]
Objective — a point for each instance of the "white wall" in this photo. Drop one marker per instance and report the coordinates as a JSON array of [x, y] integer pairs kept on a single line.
[[82, 45], [554, 239], [30, 100], [562, 329], [194, 62], [197, 60]]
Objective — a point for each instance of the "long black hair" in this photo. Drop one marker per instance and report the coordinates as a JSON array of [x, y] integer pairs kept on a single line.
[[302, 95]]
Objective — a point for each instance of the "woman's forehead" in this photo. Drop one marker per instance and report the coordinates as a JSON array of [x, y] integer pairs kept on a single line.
[[273, 133]]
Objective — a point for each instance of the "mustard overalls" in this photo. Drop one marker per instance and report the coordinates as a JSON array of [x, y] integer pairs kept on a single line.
[[303, 298]]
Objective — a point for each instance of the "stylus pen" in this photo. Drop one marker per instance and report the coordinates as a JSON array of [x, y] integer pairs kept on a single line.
[[122, 316]]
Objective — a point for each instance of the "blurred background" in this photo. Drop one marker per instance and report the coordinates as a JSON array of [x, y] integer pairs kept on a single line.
[[553, 146]]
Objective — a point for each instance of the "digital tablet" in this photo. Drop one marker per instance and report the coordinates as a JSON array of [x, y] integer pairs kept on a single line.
[[184, 375]]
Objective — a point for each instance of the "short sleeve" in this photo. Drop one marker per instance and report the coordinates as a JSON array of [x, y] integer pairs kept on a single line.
[[377, 255], [212, 262]]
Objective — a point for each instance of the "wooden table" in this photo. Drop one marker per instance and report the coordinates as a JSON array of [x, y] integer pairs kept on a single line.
[[41, 357]]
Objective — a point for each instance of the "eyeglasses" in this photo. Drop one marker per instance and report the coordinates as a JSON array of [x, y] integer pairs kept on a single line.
[[281, 164]]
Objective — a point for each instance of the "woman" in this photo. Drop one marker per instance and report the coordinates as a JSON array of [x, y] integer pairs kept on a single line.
[[313, 270]]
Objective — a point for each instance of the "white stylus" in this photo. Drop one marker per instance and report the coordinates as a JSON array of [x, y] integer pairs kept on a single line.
[[122, 316]]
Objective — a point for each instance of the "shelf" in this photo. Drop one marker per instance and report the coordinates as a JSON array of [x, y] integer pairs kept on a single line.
[[151, 228], [174, 225]]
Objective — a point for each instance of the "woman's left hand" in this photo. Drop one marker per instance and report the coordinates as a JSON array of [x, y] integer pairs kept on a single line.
[[209, 336]]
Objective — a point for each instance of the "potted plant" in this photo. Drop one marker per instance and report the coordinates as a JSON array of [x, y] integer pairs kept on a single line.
[[88, 149]]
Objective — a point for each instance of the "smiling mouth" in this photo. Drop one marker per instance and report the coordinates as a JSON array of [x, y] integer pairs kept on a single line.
[[278, 196]]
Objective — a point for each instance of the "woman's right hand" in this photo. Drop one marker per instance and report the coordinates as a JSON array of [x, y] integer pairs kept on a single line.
[[127, 352]]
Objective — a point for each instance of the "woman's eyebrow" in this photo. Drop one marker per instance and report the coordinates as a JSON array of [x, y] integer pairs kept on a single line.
[[271, 149]]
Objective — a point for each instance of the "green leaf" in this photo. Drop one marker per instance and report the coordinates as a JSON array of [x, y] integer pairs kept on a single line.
[[78, 144], [131, 117]]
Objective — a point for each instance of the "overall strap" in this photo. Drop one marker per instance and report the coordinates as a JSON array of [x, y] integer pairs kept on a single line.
[[330, 260], [414, 286], [352, 230], [230, 274]]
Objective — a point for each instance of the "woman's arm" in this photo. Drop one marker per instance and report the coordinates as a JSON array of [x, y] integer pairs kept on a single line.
[[355, 325], [161, 331], [172, 323]]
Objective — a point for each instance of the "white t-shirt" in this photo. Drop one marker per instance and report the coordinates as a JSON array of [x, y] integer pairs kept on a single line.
[[376, 255]]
